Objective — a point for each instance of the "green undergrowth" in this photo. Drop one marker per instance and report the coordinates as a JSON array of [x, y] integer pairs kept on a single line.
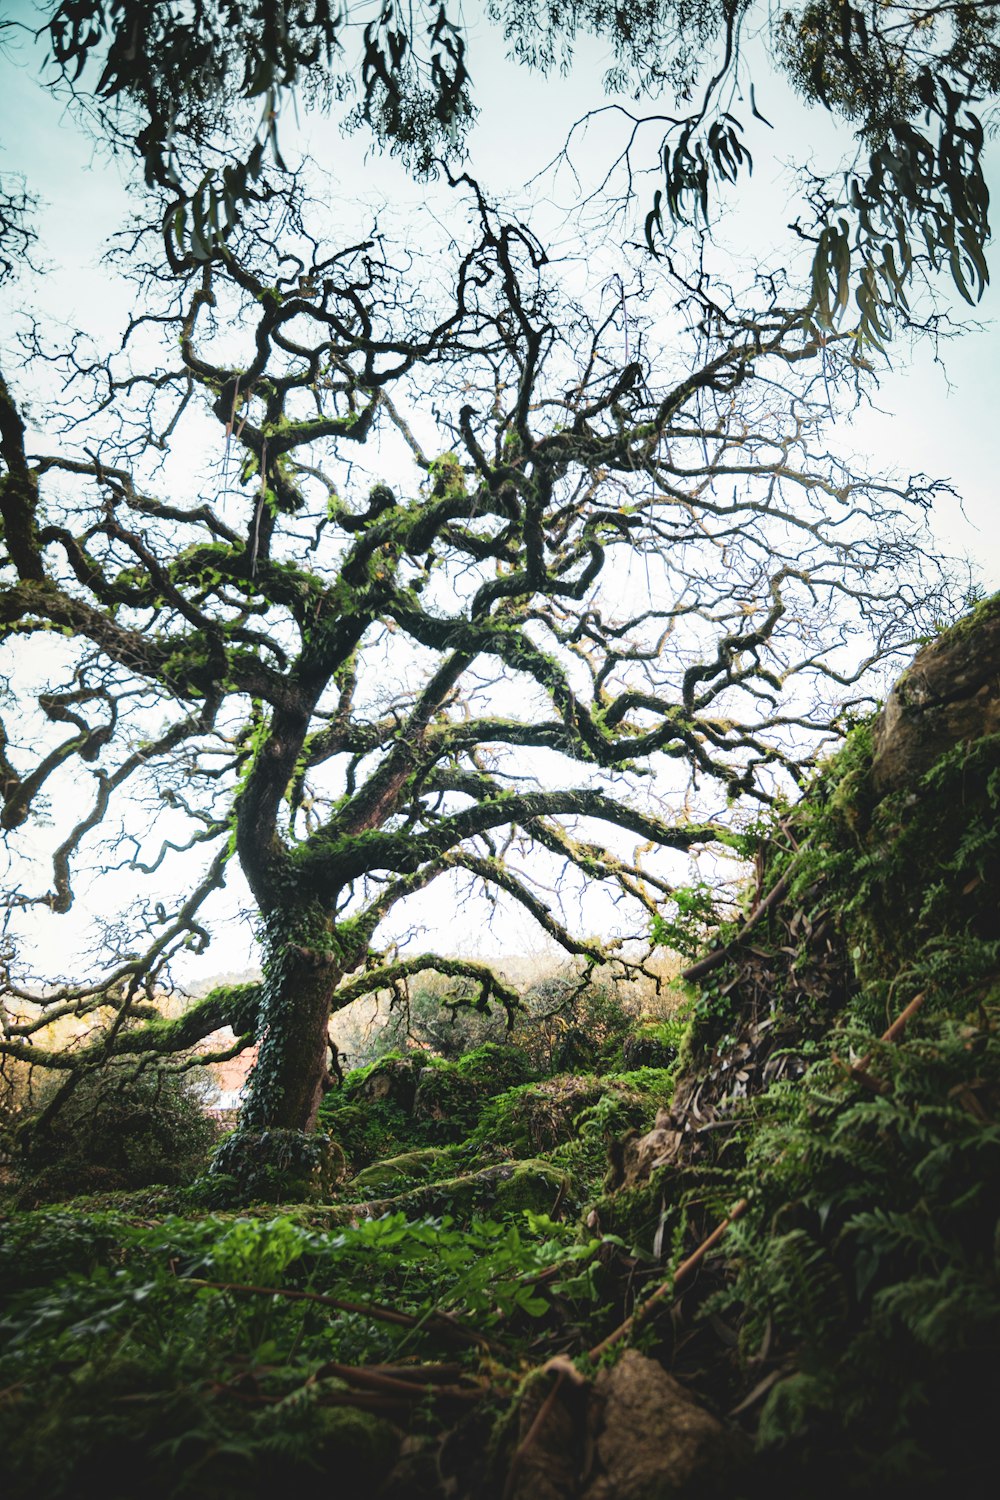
[[125, 1373], [868, 1261], [434, 1134], [461, 1197], [860, 1291], [848, 1322]]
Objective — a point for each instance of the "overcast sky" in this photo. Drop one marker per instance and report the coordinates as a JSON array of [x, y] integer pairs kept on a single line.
[[937, 417]]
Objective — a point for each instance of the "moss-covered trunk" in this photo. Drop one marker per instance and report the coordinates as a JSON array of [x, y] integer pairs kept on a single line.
[[275, 1152], [287, 1083]]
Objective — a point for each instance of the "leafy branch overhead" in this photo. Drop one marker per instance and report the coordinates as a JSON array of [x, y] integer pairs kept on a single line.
[[912, 84]]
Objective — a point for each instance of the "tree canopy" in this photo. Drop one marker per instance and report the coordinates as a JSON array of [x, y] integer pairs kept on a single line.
[[588, 567], [911, 81]]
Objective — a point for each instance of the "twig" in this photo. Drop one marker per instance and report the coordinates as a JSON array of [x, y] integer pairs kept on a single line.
[[376, 1379], [441, 1322], [713, 960], [524, 1446], [899, 1024], [859, 1070], [666, 1287]]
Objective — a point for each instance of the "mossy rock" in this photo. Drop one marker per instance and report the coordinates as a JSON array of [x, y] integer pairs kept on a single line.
[[495, 1066], [537, 1116], [367, 1132], [540, 1117], [451, 1096], [946, 697], [642, 1212], [533, 1186], [352, 1452], [393, 1079], [447, 1102], [395, 1173], [507, 1188]]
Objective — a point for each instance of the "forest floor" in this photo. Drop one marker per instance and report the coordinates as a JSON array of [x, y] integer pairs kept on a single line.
[[749, 1250]]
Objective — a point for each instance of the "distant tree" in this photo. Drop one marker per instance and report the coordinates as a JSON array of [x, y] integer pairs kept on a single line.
[[909, 78], [618, 543]]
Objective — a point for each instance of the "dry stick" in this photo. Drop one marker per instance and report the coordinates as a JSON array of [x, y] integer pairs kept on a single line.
[[859, 1070], [377, 1380], [533, 1431], [683, 1270], [441, 1322], [426, 1374], [899, 1024], [713, 960]]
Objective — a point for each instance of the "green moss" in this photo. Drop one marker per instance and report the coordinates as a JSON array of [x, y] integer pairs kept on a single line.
[[500, 1191], [982, 612], [394, 1174], [274, 1166], [911, 878], [632, 1213], [532, 1186], [451, 1096]]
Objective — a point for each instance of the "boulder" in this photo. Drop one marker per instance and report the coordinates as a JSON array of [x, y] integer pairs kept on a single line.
[[653, 1441], [950, 695], [634, 1434]]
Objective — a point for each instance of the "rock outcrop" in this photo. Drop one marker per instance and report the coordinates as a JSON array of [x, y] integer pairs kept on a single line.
[[949, 696], [634, 1433]]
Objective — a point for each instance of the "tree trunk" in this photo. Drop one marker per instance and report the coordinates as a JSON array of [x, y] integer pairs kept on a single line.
[[276, 1154], [302, 970]]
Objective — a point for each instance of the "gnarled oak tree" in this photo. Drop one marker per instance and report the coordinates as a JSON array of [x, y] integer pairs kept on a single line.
[[604, 538]]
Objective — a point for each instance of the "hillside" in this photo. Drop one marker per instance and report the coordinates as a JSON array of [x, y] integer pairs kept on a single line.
[[764, 1266]]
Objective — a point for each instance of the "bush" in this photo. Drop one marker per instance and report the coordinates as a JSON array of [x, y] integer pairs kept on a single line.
[[451, 1097], [654, 1044], [118, 1129]]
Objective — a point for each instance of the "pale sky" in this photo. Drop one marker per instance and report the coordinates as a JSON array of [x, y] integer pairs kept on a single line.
[[936, 417]]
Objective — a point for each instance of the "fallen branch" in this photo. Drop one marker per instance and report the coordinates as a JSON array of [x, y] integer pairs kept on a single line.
[[564, 1370], [665, 1288], [440, 1322], [396, 1381], [713, 960], [859, 1070], [898, 1026]]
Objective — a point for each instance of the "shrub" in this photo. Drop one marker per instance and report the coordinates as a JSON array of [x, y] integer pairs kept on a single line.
[[118, 1129]]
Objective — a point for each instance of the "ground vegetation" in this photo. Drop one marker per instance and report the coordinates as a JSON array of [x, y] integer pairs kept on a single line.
[[768, 1289]]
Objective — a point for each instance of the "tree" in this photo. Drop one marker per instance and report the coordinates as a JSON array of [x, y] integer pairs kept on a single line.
[[618, 545], [909, 79]]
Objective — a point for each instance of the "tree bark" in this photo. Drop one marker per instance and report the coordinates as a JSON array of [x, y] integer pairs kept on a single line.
[[288, 1079]]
